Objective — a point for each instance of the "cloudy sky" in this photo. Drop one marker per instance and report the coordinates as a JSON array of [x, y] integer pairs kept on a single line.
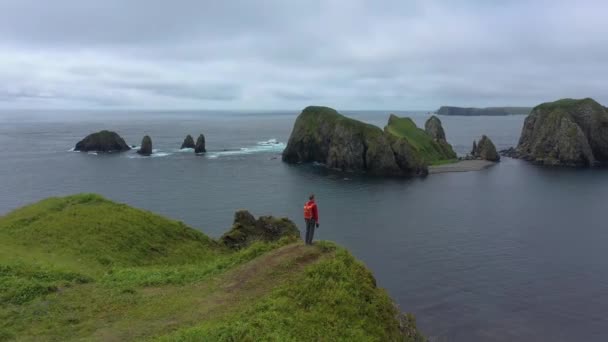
[[284, 54]]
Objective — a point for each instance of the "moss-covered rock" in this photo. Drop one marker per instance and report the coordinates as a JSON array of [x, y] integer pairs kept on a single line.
[[102, 141], [428, 145], [322, 135], [188, 142], [146, 146], [485, 150], [200, 145], [246, 230], [567, 132]]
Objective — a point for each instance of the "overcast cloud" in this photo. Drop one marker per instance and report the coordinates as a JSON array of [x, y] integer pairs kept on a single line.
[[286, 54]]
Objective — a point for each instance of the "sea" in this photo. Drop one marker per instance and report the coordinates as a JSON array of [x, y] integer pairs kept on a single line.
[[516, 252]]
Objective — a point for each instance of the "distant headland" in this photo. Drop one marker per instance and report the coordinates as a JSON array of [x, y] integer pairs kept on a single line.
[[488, 111]]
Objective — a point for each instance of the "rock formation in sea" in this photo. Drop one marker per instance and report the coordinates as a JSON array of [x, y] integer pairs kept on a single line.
[[102, 141], [485, 150], [188, 142], [246, 229], [567, 132], [322, 135], [146, 146], [200, 145], [433, 127]]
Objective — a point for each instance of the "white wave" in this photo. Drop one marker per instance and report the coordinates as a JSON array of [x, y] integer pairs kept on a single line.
[[271, 145], [187, 149], [92, 153], [72, 150]]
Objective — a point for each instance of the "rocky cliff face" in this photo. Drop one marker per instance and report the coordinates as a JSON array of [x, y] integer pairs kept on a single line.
[[146, 146], [433, 127], [246, 229], [200, 145], [103, 141], [188, 142], [320, 134], [567, 132], [485, 150]]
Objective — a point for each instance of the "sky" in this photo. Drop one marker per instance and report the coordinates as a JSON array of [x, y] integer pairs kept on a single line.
[[285, 54]]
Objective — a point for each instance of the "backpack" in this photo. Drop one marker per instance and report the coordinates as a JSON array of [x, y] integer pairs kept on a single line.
[[308, 211]]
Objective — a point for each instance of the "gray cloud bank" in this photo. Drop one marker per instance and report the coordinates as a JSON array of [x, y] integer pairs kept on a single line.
[[267, 54]]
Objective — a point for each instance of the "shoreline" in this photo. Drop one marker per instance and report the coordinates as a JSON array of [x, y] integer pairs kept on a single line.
[[461, 166]]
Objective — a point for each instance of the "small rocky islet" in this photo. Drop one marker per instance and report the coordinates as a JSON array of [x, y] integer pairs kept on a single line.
[[322, 135], [102, 141], [108, 141], [567, 132], [146, 146]]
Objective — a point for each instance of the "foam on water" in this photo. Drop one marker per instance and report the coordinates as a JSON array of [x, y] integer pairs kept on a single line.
[[271, 145]]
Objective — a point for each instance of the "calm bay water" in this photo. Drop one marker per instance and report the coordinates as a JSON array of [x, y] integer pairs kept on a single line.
[[514, 252]]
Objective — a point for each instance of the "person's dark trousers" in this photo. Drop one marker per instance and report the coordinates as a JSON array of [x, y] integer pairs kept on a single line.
[[310, 230]]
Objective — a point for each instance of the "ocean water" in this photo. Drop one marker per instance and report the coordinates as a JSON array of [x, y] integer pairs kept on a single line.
[[514, 252]]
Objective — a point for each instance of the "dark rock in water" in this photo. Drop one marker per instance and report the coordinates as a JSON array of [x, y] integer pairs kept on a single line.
[[485, 150], [567, 132], [322, 135], [200, 145], [103, 141], [509, 152], [246, 230], [188, 142], [146, 146], [434, 128]]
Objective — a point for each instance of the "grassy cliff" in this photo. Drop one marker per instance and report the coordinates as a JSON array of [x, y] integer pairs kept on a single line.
[[427, 149], [82, 267]]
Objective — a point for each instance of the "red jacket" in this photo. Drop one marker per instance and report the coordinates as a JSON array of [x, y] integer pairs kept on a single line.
[[315, 211]]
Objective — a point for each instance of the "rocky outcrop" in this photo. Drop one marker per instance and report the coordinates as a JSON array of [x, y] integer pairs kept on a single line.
[[246, 230], [489, 111], [146, 146], [485, 150], [567, 132], [188, 142], [433, 127], [200, 145], [322, 135], [103, 141]]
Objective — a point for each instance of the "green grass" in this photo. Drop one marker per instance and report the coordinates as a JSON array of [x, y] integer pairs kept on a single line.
[[429, 150], [569, 104], [85, 268]]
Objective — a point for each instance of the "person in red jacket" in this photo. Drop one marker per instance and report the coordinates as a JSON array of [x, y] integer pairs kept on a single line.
[[311, 217]]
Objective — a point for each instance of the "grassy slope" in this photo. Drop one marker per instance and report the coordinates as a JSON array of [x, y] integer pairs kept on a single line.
[[432, 152], [82, 267]]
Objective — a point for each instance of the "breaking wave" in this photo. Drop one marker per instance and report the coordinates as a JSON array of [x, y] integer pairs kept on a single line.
[[271, 145]]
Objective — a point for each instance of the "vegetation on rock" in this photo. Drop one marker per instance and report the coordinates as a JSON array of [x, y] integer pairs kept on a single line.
[[85, 268], [567, 132], [430, 146], [322, 135], [102, 141], [246, 230]]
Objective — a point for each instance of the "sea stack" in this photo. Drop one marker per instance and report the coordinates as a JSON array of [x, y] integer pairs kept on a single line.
[[485, 150], [567, 132], [433, 127], [322, 135], [188, 142], [102, 141], [200, 145], [146, 146]]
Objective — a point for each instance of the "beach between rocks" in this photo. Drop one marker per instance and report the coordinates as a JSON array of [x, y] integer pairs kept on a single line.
[[461, 166]]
